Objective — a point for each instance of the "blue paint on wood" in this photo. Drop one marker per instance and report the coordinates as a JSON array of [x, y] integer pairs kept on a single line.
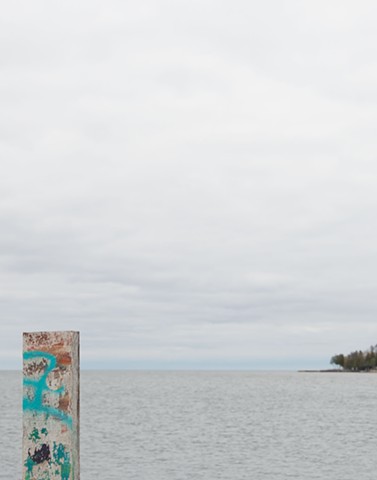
[[40, 387]]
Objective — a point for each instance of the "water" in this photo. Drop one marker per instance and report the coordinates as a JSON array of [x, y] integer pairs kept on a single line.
[[213, 426]]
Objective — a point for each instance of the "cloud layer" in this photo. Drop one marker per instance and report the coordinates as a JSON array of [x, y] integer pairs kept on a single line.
[[189, 184]]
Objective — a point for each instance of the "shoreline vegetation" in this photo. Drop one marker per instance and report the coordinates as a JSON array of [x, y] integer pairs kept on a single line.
[[357, 361], [338, 370]]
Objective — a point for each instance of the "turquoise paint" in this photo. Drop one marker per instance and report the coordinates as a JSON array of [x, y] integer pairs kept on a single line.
[[34, 436], [40, 387], [29, 464], [62, 458]]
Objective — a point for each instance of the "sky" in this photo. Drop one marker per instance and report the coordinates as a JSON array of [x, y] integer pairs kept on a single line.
[[190, 184]]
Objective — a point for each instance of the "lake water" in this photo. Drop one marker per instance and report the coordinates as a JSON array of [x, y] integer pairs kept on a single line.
[[213, 426]]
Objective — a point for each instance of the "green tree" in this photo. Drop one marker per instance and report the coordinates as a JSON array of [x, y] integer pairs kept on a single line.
[[338, 360]]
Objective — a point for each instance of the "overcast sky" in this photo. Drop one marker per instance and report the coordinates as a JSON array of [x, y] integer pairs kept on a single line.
[[191, 184]]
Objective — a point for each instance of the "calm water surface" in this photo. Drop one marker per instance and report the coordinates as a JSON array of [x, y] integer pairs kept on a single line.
[[213, 426]]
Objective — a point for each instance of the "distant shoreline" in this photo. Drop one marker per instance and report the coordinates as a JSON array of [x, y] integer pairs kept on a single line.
[[336, 370], [330, 370]]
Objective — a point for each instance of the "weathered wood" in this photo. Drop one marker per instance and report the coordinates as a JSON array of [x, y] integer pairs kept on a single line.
[[51, 406]]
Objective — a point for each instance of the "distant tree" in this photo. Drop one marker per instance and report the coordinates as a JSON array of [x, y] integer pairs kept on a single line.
[[357, 360], [338, 360]]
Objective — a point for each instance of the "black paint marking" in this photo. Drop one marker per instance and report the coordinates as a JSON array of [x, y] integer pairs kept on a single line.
[[41, 454]]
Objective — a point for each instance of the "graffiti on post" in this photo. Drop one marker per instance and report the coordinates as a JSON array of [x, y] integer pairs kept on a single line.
[[39, 388], [50, 406]]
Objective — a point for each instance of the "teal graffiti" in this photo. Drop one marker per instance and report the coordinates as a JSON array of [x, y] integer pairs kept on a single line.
[[34, 436], [29, 464], [40, 387], [58, 464], [62, 458]]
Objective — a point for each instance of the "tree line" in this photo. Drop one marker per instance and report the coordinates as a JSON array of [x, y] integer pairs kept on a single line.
[[357, 361]]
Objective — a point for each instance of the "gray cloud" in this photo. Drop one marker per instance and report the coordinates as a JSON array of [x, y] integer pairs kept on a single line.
[[191, 183]]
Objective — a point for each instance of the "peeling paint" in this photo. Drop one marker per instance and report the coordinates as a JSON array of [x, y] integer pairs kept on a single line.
[[51, 406]]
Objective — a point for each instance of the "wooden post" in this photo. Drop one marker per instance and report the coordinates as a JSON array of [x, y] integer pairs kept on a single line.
[[51, 406]]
